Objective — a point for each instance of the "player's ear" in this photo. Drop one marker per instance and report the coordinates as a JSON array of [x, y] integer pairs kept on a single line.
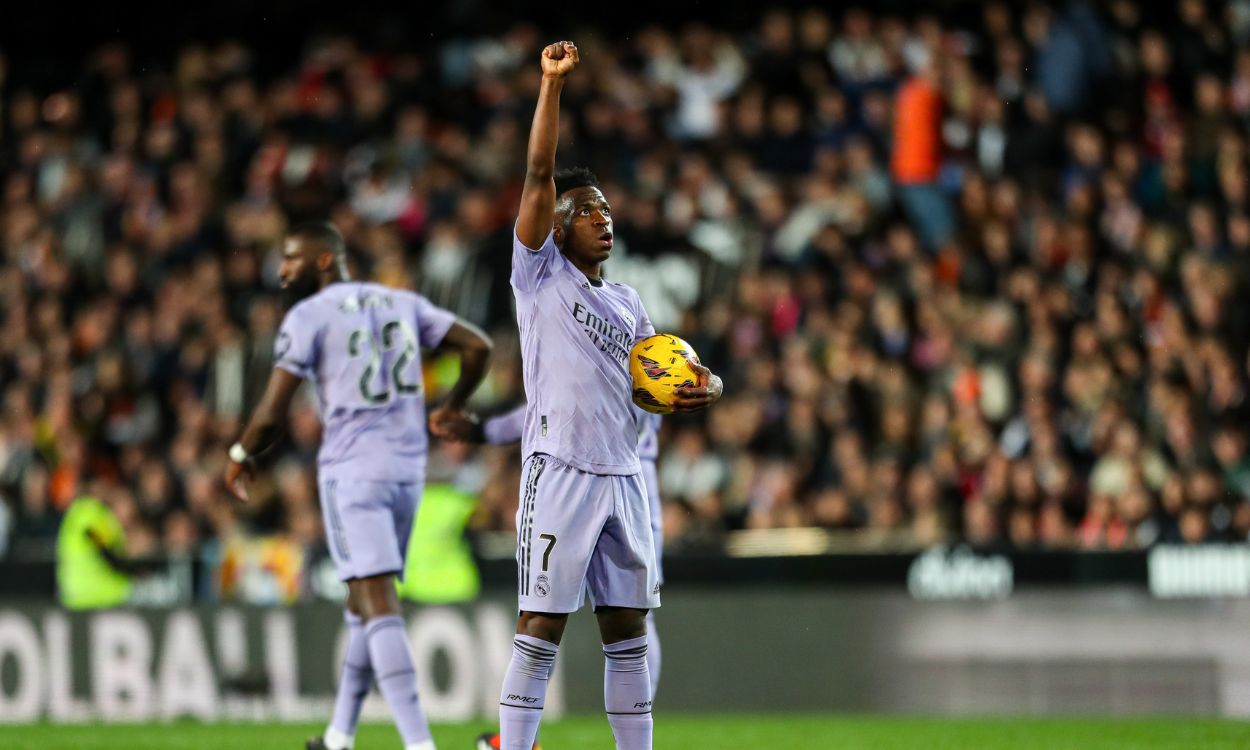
[[325, 261], [560, 222]]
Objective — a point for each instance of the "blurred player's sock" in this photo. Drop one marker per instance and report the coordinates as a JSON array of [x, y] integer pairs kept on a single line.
[[353, 687], [627, 693], [525, 691], [653, 653], [397, 679]]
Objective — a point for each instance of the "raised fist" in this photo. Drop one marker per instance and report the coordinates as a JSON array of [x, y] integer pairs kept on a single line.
[[559, 59]]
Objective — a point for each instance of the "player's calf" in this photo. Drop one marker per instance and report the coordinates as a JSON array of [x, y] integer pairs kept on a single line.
[[626, 679], [653, 653], [524, 691], [354, 682], [627, 693], [390, 657]]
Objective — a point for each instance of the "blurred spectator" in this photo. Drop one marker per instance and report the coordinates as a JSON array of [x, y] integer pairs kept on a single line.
[[92, 569], [917, 156], [967, 276]]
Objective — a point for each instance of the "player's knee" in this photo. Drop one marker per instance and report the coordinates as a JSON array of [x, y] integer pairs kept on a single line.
[[618, 624], [547, 627], [374, 596]]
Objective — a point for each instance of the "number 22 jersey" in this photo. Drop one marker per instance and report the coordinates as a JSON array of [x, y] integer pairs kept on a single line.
[[360, 343]]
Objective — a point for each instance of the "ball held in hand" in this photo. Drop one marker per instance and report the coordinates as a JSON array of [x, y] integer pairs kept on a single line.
[[659, 365]]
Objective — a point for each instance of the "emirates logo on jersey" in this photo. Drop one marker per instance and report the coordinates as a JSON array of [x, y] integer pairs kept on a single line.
[[610, 338]]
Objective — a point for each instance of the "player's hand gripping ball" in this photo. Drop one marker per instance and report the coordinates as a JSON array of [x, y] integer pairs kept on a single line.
[[659, 365]]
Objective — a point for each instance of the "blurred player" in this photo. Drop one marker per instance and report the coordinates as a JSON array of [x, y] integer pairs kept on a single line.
[[506, 428], [361, 344], [583, 525]]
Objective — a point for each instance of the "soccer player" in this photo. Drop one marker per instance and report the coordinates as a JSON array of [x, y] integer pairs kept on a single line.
[[583, 525], [360, 343], [506, 428]]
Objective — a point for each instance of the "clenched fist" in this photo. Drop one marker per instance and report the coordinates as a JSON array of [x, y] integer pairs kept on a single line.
[[559, 59], [456, 425]]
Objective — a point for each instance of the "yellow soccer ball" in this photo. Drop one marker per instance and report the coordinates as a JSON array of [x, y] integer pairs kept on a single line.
[[659, 365]]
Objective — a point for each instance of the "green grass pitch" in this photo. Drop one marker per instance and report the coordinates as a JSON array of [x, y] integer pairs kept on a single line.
[[680, 732]]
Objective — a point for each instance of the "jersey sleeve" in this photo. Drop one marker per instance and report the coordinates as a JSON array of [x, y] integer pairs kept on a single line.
[[643, 327], [532, 268], [295, 349], [505, 428], [433, 322]]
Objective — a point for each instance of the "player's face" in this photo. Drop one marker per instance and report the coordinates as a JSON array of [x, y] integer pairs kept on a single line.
[[298, 272], [588, 226]]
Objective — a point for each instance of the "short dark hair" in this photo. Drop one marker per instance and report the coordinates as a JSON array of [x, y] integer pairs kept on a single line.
[[574, 177], [324, 234]]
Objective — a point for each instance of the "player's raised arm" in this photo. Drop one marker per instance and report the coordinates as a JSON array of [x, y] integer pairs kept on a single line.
[[538, 197]]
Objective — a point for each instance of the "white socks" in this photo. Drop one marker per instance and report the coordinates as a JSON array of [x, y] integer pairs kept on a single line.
[[627, 693], [525, 691]]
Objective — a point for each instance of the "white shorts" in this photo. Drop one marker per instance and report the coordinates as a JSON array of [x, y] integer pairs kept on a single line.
[[368, 525], [580, 533], [651, 481]]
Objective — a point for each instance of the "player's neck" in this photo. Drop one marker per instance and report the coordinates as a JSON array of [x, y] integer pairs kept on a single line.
[[594, 271], [332, 277]]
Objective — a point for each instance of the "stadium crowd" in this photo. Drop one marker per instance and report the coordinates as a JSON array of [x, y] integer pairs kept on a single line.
[[965, 278]]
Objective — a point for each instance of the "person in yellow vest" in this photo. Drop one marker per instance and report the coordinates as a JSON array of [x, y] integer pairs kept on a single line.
[[91, 569], [440, 568]]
